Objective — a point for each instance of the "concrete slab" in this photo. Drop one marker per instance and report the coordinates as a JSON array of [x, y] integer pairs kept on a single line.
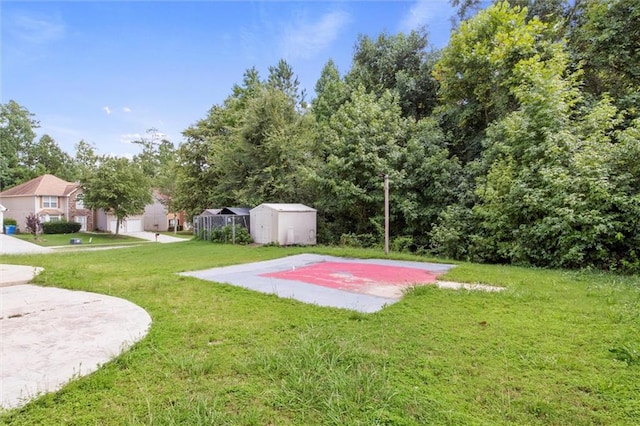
[[266, 276], [17, 274], [50, 336]]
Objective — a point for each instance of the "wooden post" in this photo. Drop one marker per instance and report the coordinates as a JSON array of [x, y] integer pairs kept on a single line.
[[386, 214]]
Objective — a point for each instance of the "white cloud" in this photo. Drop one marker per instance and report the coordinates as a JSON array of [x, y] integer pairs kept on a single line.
[[305, 39], [126, 155], [130, 137], [126, 109], [435, 15], [107, 110], [36, 30], [421, 13]]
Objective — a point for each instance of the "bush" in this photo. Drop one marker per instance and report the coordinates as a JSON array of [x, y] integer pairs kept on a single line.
[[359, 240], [403, 244], [225, 235], [8, 221], [33, 224], [61, 227]]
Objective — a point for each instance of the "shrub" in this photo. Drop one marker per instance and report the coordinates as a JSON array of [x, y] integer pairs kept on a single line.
[[61, 227], [359, 240], [8, 221], [33, 224], [403, 244], [225, 235]]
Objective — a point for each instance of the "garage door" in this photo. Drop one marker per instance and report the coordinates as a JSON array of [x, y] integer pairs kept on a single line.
[[133, 225]]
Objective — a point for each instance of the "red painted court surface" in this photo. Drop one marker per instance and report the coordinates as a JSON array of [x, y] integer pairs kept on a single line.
[[364, 285], [358, 277]]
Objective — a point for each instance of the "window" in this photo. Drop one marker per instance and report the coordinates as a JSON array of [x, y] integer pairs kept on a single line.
[[49, 202], [50, 218], [79, 202]]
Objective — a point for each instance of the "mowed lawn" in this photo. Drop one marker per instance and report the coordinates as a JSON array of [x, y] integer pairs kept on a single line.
[[556, 348], [87, 239]]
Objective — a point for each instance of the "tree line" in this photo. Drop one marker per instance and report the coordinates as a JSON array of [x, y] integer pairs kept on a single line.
[[519, 142]]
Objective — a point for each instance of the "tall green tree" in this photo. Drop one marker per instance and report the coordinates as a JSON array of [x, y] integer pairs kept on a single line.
[[207, 167], [46, 156], [156, 156], [604, 41], [476, 72], [17, 137], [331, 93], [118, 186], [253, 148], [552, 189], [282, 78], [398, 63], [273, 149], [85, 158], [429, 180], [544, 10], [365, 139]]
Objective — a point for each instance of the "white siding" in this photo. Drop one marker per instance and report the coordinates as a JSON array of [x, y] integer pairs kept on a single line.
[[286, 224]]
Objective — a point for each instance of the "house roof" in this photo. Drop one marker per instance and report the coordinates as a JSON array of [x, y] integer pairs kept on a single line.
[[51, 212], [284, 207], [42, 185]]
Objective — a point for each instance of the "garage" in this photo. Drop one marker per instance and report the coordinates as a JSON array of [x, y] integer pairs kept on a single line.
[[127, 226]]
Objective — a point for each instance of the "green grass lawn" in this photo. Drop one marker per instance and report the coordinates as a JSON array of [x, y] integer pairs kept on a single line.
[[556, 348], [88, 239]]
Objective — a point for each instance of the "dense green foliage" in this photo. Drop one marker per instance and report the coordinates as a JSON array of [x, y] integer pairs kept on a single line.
[[7, 221], [514, 144], [227, 235], [555, 348], [117, 186], [519, 142], [61, 227]]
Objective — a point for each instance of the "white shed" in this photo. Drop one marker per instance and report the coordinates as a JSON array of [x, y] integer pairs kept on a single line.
[[285, 224]]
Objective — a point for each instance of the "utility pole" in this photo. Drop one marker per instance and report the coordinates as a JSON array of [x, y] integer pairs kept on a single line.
[[386, 214]]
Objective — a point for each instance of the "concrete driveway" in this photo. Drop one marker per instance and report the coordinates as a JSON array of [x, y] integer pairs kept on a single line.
[[151, 236], [13, 245]]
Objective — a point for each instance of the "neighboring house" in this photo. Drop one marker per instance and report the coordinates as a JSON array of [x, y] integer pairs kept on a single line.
[[285, 224], [2, 210], [48, 197], [156, 217], [105, 221]]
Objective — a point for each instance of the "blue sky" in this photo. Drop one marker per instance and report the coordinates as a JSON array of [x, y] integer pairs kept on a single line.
[[106, 72]]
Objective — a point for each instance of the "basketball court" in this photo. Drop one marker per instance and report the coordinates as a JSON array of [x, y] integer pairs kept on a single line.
[[364, 285]]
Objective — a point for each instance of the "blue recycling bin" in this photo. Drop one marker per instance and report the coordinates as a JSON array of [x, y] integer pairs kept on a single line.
[[10, 229]]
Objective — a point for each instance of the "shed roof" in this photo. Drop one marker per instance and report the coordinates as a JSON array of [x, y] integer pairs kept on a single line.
[[42, 185], [238, 211], [284, 207], [210, 212]]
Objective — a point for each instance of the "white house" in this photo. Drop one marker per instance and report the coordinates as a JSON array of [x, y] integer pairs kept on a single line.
[[285, 224]]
